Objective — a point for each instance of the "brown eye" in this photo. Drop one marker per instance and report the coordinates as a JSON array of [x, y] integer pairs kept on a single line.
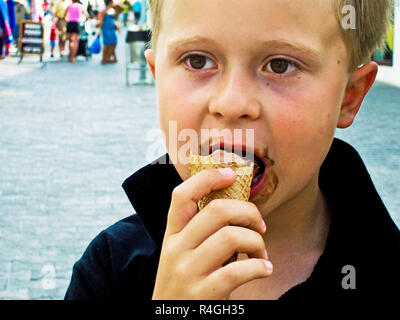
[[200, 62], [279, 65], [197, 61]]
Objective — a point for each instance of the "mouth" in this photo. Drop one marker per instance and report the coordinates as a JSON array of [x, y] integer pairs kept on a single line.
[[243, 156]]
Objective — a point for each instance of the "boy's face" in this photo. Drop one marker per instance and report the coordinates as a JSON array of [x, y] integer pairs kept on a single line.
[[279, 67]]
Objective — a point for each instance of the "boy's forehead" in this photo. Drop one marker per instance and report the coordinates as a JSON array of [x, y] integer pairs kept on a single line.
[[311, 22], [248, 9]]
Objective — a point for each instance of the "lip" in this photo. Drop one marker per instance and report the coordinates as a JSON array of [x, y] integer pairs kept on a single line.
[[256, 188]]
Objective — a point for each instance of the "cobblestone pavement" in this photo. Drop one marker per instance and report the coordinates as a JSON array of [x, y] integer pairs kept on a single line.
[[64, 156]]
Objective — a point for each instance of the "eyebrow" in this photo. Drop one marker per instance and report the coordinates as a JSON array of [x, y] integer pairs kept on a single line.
[[172, 44], [307, 51]]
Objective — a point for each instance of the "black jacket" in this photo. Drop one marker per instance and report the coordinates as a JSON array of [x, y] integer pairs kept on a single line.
[[121, 262]]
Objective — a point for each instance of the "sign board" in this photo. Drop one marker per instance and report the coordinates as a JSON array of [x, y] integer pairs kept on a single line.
[[31, 38]]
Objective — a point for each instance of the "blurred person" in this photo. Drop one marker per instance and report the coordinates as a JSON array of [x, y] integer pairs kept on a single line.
[[91, 27], [97, 6], [59, 11], [125, 13], [73, 18], [37, 13], [11, 15], [46, 7], [21, 13], [90, 9], [1, 45], [109, 30], [95, 14], [53, 38], [5, 30], [137, 9]]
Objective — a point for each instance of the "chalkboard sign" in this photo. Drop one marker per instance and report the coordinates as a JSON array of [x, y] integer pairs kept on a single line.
[[31, 38]]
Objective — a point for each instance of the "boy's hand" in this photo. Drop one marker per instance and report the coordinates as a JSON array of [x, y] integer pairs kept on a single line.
[[196, 246]]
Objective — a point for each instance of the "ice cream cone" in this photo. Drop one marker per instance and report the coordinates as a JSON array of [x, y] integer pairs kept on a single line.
[[239, 189]]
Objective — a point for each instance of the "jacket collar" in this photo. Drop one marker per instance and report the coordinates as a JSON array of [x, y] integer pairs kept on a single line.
[[343, 180], [149, 190]]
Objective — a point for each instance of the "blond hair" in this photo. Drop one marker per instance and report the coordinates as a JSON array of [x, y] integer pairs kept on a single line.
[[373, 18]]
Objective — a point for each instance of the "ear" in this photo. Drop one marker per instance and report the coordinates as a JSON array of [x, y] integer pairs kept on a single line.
[[359, 84], [149, 55]]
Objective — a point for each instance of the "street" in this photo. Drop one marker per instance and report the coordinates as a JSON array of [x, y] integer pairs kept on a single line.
[[71, 134]]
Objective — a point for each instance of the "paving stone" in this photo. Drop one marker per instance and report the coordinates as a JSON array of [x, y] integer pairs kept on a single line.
[[3, 283], [22, 294]]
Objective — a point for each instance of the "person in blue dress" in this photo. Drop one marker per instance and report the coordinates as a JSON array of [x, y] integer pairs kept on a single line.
[[137, 9], [109, 30]]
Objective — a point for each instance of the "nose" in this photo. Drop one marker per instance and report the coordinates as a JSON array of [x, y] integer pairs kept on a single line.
[[235, 97]]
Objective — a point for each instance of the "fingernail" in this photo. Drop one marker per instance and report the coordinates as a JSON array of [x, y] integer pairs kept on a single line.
[[268, 265], [227, 172], [263, 226]]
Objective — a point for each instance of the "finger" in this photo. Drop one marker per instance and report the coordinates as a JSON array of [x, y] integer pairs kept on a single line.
[[219, 213], [228, 278], [185, 196], [220, 246]]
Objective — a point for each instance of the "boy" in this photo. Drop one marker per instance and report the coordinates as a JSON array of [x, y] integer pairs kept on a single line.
[[315, 227], [53, 39]]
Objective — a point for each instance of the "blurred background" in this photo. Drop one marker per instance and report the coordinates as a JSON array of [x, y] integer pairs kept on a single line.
[[72, 132]]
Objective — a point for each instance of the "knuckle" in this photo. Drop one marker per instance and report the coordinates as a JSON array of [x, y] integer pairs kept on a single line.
[[217, 208], [228, 235], [215, 205], [182, 269], [252, 206], [178, 193], [253, 210], [210, 173], [195, 292], [231, 276], [168, 254], [171, 248], [207, 174]]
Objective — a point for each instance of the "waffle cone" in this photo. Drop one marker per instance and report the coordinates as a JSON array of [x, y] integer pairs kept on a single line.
[[239, 189]]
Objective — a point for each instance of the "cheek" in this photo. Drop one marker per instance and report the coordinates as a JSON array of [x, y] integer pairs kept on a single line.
[[302, 131], [176, 102], [181, 112]]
